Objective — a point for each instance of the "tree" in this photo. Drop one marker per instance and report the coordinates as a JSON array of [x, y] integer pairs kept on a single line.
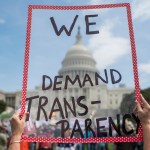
[[2, 106], [146, 94], [128, 102]]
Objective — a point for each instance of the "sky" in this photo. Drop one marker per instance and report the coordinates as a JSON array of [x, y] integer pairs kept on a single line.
[[112, 25]]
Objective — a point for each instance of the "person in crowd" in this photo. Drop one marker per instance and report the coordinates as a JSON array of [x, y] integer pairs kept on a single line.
[[66, 146], [45, 146], [24, 145], [143, 112], [57, 131], [128, 145]]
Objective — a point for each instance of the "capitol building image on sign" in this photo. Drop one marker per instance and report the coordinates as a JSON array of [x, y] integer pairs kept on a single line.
[[80, 61]]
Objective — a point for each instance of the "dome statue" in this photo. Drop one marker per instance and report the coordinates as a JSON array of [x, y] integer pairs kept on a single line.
[[78, 60]]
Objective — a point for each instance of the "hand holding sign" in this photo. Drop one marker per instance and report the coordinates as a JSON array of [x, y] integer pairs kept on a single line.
[[143, 111]]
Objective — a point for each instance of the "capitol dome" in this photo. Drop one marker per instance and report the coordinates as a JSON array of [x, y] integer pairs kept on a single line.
[[78, 60]]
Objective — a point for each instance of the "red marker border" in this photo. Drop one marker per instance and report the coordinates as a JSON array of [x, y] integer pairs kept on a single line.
[[137, 138]]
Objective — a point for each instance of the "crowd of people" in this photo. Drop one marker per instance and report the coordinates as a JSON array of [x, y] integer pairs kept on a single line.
[[11, 138], [47, 131]]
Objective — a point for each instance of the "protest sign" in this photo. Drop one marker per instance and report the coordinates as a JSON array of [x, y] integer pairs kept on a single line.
[[80, 63]]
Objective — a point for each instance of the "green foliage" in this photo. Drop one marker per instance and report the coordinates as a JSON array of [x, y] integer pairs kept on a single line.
[[128, 102], [2, 106], [146, 94]]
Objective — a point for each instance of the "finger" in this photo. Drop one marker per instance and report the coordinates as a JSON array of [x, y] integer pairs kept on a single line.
[[15, 115], [138, 106], [145, 103]]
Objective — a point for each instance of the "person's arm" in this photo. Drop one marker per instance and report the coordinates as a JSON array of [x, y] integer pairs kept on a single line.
[[17, 127], [37, 146], [143, 111]]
